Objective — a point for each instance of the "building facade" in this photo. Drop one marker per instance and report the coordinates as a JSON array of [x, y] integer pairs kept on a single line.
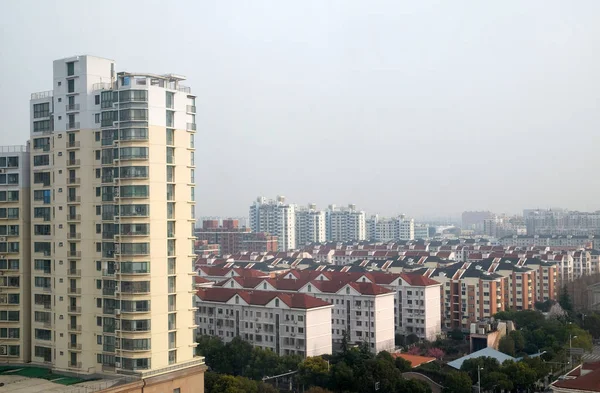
[[287, 324], [15, 261], [112, 220], [276, 218], [310, 225], [345, 224]]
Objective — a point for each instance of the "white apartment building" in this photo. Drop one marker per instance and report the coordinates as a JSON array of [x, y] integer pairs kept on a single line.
[[387, 229], [286, 323], [276, 218], [345, 224], [15, 262], [310, 225], [421, 231], [113, 204]]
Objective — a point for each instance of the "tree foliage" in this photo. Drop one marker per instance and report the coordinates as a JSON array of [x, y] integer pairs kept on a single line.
[[507, 345], [457, 382], [565, 299]]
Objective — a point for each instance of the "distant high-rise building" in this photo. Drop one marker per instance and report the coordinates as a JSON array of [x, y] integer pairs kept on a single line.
[[310, 225], [473, 220], [233, 239], [276, 218], [386, 229], [112, 221], [345, 224], [561, 222], [421, 231]]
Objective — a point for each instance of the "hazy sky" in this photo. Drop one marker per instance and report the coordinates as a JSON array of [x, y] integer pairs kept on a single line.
[[427, 108]]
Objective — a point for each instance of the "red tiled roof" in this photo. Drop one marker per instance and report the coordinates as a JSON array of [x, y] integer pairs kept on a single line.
[[261, 298], [415, 360], [589, 382], [418, 280], [201, 280]]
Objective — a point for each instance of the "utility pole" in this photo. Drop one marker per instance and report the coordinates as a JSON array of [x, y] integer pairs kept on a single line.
[[571, 337], [479, 378]]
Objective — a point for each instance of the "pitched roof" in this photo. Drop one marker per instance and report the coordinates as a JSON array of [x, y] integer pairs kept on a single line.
[[589, 382], [418, 280], [485, 352], [261, 298], [415, 360]]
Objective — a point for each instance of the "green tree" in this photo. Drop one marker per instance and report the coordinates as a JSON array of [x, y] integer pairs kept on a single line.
[[263, 362], [267, 388], [402, 364], [565, 299], [519, 340], [233, 384], [521, 375], [591, 323], [507, 345], [342, 377], [496, 381], [314, 371], [412, 339], [457, 382], [457, 335], [487, 364]]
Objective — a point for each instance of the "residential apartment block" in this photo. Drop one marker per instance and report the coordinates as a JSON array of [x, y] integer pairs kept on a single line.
[[561, 222], [276, 218], [15, 261], [310, 225], [112, 220], [233, 239], [388, 229], [286, 323], [345, 224]]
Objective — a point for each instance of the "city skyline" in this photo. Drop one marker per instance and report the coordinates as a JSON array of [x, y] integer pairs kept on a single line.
[[441, 105]]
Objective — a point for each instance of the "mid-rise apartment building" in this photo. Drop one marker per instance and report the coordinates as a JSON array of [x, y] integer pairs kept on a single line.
[[233, 239], [276, 218], [310, 225], [286, 323], [345, 224], [388, 229], [112, 220], [15, 261], [561, 222]]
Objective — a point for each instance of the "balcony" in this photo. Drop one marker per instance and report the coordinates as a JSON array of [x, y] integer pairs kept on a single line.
[[41, 94], [108, 273], [73, 217], [74, 254], [74, 291], [74, 328], [45, 306], [74, 198], [74, 236], [42, 148], [75, 347], [73, 126], [75, 310], [74, 272], [71, 107], [75, 365], [190, 109], [73, 145], [75, 162], [191, 126]]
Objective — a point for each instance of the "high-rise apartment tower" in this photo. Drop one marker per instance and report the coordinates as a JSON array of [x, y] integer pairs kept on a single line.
[[112, 239]]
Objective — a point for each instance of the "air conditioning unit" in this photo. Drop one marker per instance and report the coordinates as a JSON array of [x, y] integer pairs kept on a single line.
[[117, 311], [3, 350], [117, 267], [117, 343], [2, 170], [118, 364], [2, 238], [117, 290]]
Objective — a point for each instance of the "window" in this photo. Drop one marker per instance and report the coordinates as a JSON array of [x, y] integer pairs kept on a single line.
[[71, 68], [97, 100], [170, 119], [71, 86], [41, 126], [133, 153], [41, 110], [97, 120], [133, 114], [41, 160]]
